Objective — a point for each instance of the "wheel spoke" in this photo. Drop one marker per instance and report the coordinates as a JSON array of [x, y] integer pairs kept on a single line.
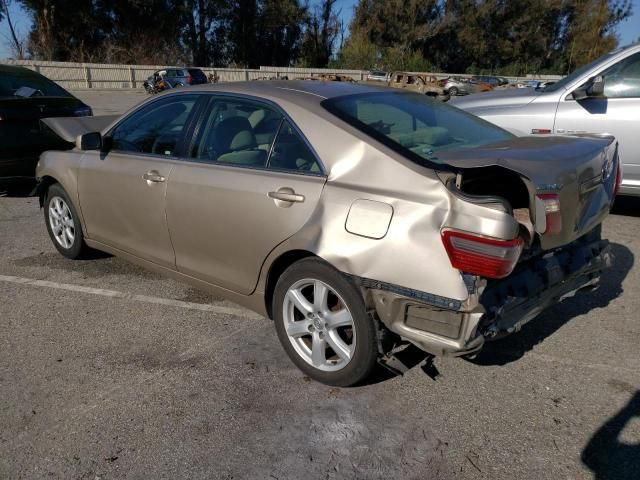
[[298, 329], [318, 357], [320, 295], [338, 346], [341, 318], [53, 213], [70, 235], [299, 301]]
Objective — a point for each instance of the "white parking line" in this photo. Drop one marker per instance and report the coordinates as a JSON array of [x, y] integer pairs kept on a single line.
[[130, 296]]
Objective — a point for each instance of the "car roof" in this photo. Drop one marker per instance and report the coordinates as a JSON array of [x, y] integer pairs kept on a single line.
[[291, 90], [17, 71]]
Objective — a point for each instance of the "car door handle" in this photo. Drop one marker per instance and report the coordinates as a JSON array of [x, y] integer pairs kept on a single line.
[[153, 176], [287, 195]]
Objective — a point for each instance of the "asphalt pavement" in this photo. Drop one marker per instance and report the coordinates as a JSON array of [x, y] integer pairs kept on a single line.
[[108, 371]]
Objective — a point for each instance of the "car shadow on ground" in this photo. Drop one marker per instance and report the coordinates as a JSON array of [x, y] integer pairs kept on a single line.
[[18, 188], [513, 347], [627, 206], [609, 457]]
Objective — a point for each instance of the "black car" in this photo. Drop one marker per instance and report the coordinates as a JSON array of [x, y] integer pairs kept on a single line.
[[25, 98]]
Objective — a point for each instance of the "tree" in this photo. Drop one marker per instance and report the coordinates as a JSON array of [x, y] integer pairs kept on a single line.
[[323, 26], [265, 32], [16, 44], [204, 30], [498, 36]]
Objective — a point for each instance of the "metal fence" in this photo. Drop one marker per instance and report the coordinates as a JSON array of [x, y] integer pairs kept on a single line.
[[109, 76]]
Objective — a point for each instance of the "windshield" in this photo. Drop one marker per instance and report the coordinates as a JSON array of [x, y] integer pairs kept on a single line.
[[414, 125], [562, 84], [25, 85]]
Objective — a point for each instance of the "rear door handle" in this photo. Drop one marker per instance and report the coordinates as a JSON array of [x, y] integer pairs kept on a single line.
[[287, 195], [154, 177]]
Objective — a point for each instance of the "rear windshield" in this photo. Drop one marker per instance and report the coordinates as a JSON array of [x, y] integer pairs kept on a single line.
[[24, 85], [414, 125]]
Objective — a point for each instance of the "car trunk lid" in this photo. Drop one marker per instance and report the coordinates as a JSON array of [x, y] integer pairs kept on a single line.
[[579, 172]]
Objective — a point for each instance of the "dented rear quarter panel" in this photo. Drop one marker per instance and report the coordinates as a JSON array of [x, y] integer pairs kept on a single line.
[[411, 254]]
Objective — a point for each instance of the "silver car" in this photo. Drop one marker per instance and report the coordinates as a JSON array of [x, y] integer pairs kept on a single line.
[[359, 218], [601, 97]]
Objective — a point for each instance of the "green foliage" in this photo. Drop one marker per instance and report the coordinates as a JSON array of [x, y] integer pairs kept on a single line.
[[510, 37]]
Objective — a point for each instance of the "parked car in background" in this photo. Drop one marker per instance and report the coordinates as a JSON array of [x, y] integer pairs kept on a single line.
[[415, 223], [25, 98], [544, 84], [197, 76], [602, 97], [414, 82], [491, 80], [459, 86], [378, 76], [174, 78]]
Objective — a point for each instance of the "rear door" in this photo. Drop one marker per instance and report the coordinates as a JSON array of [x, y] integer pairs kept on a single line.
[[122, 192], [618, 114], [250, 182]]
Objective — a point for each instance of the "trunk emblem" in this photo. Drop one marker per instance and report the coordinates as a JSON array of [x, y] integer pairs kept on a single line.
[[42, 107]]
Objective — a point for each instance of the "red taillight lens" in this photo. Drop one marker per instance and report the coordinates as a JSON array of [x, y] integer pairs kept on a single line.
[[618, 178], [189, 79], [483, 256], [553, 216]]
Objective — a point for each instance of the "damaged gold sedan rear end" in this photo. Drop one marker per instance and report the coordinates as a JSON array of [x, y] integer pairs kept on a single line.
[[359, 219]]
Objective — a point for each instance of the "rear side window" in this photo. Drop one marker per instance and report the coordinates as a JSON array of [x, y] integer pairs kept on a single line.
[[155, 128], [413, 124], [291, 152], [26, 84]]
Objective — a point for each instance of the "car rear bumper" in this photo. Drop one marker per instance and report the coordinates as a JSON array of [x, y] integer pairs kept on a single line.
[[495, 308]]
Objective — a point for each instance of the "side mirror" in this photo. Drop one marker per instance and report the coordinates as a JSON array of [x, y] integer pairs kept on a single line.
[[593, 88], [89, 141]]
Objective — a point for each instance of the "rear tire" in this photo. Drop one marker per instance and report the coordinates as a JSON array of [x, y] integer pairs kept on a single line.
[[453, 91], [63, 223], [323, 325]]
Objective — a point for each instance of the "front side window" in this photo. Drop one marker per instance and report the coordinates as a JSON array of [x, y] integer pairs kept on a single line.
[[622, 80], [413, 124], [155, 128], [238, 132]]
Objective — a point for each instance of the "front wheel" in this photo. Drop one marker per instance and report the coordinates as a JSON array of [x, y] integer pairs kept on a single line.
[[63, 223], [322, 323], [453, 91]]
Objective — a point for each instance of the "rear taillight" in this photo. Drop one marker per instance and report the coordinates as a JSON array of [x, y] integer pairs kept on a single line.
[[483, 256], [189, 79], [552, 214], [618, 178]]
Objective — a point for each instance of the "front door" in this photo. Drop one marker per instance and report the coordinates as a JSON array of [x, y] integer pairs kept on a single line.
[[122, 192], [617, 113], [251, 182]]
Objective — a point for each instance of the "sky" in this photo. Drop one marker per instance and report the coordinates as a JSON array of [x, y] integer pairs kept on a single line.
[[628, 31]]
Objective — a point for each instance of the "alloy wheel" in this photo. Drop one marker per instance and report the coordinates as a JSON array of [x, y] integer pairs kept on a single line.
[[319, 325]]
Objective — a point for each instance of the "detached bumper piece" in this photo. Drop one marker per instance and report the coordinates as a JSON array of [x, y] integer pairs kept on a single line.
[[494, 307]]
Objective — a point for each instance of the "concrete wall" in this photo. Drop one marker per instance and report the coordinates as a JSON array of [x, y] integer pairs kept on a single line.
[[107, 76]]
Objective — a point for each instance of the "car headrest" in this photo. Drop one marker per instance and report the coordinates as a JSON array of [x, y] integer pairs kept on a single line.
[[235, 133]]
